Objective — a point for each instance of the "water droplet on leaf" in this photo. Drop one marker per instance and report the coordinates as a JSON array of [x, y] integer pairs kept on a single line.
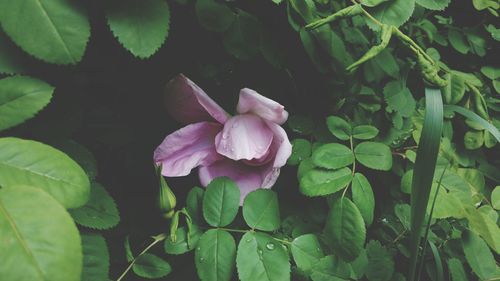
[[270, 246]]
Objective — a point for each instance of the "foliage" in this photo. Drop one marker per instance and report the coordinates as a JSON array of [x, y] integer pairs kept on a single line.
[[394, 104]]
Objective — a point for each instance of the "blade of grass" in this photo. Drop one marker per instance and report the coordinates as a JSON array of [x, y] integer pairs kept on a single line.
[[437, 261], [476, 118], [423, 172]]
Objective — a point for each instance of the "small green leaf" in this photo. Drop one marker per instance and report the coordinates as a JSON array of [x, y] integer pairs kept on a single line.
[[306, 251], [495, 198], [436, 5], [194, 203], [484, 226], [402, 211], [25, 162], [330, 268], [95, 258], [242, 39], [362, 196], [456, 270], [399, 98], [55, 31], [262, 258], [317, 182], [21, 98], [339, 127], [473, 139], [140, 26], [221, 202], [261, 210], [345, 229], [301, 149], [151, 266], [182, 244], [215, 255], [364, 132], [380, 262], [100, 212], [395, 12], [214, 16], [39, 237], [458, 41], [332, 156], [372, 3], [478, 255], [374, 155]]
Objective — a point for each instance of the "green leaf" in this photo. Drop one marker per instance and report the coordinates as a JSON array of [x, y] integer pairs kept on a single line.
[[25, 162], [39, 238], [380, 262], [140, 26], [262, 258], [55, 31], [478, 255], [330, 268], [374, 155], [215, 255], [100, 212], [182, 244], [473, 139], [95, 258], [151, 267], [456, 270], [399, 98], [394, 12], [372, 3], [458, 41], [345, 229], [194, 203], [261, 210], [364, 132], [455, 90], [491, 72], [332, 156], [81, 155], [339, 127], [306, 251], [423, 172], [242, 39], [359, 266], [21, 98], [301, 149], [11, 61], [402, 211], [317, 182], [221, 202], [436, 5], [363, 198], [484, 226], [495, 198], [214, 16], [476, 118]]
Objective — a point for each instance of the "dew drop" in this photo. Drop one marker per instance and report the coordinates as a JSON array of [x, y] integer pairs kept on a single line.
[[260, 252], [270, 246], [202, 259]]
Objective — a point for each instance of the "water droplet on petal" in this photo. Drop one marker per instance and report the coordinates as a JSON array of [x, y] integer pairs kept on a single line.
[[270, 246]]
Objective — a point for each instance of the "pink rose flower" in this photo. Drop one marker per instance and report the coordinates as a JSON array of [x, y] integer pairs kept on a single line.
[[250, 148]]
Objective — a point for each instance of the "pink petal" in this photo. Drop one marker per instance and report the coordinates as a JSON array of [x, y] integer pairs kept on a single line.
[[244, 137], [188, 148], [281, 147], [252, 102], [247, 178], [188, 103]]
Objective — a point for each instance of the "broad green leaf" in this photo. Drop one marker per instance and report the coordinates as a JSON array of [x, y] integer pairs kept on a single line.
[[242, 39], [345, 229], [261, 210], [455, 90], [372, 3], [402, 211], [495, 198], [81, 155], [194, 203], [478, 255], [437, 5], [364, 132], [301, 149], [39, 238], [362, 197], [262, 258], [380, 262], [359, 266], [374, 155], [339, 127], [140, 26], [306, 251], [55, 31], [488, 211], [10, 57], [317, 182], [215, 255], [214, 16], [448, 205], [491, 72], [484, 226], [151, 266], [26, 162], [221, 202], [456, 270], [332, 156], [182, 244], [388, 63], [399, 98], [395, 12], [330, 268], [100, 212], [305, 166], [95, 258], [21, 98], [458, 41]]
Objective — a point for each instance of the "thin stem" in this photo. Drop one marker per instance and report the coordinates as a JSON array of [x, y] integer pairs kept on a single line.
[[157, 238], [376, 21], [353, 166], [282, 241], [235, 230]]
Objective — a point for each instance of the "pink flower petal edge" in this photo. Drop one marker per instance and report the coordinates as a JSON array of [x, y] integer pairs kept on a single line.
[[252, 102]]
